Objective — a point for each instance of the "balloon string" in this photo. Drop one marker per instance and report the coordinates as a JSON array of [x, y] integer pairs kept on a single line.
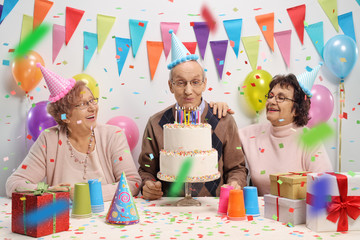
[[257, 116], [342, 105]]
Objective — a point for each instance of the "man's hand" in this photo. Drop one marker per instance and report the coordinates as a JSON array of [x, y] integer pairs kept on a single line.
[[152, 190], [235, 185], [64, 187], [221, 109]]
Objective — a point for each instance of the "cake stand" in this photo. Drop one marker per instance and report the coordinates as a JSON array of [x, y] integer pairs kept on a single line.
[[188, 200]]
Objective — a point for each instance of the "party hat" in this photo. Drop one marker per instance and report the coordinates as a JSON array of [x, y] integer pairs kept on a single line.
[[307, 79], [122, 209], [179, 53], [58, 86]]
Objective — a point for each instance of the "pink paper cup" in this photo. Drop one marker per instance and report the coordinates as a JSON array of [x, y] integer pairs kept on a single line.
[[224, 199]]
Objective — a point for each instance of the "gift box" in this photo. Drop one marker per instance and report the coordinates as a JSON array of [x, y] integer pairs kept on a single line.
[[341, 209], [284, 209], [26, 205], [289, 185]]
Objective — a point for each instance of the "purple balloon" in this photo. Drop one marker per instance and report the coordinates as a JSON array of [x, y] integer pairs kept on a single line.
[[38, 118], [322, 105]]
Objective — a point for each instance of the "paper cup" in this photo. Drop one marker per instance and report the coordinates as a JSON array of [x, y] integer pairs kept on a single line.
[[81, 204], [224, 199], [236, 208], [96, 197], [251, 201]]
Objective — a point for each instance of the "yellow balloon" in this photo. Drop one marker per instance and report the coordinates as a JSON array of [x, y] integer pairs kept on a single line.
[[90, 83], [257, 86]]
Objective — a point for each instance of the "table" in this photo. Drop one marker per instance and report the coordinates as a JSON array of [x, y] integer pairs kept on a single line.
[[160, 219]]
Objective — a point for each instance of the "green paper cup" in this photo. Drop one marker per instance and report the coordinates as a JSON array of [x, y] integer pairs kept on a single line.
[[81, 204]]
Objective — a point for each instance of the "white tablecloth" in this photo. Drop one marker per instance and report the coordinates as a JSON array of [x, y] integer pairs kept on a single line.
[[162, 220]]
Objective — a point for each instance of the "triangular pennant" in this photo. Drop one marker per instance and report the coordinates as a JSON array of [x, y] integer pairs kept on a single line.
[[104, 25], [166, 37], [73, 17], [233, 30], [266, 24], [41, 9], [90, 44], [202, 31], [137, 30], [7, 8], [251, 46], [1, 8], [122, 50], [27, 27], [218, 49], [283, 40], [316, 34], [58, 40], [297, 16], [330, 9], [358, 1], [191, 46], [154, 50], [346, 23]]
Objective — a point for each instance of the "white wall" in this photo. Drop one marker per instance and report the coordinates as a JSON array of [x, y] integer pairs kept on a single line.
[[13, 142]]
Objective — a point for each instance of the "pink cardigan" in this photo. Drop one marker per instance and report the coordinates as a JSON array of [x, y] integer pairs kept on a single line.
[[46, 158], [271, 149]]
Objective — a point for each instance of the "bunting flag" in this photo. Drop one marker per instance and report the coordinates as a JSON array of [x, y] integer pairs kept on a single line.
[[297, 16], [266, 24], [27, 27], [58, 40], [1, 8], [218, 49], [73, 17], [251, 46], [104, 25], [137, 30], [90, 45], [166, 36], [154, 50], [41, 9], [233, 30], [7, 8], [202, 31], [283, 40], [330, 9], [122, 50], [358, 1], [346, 23], [191, 46], [316, 34]]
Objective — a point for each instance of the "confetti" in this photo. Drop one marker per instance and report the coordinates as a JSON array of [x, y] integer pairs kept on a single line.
[[180, 179], [281, 145], [351, 173], [29, 137], [291, 210], [343, 60], [24, 166], [275, 217], [262, 172], [316, 135], [238, 148], [6, 159], [149, 138], [63, 116], [6, 62], [208, 17], [151, 156], [280, 182]]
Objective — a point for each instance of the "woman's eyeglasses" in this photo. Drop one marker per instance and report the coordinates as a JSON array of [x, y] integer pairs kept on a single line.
[[86, 104], [278, 98]]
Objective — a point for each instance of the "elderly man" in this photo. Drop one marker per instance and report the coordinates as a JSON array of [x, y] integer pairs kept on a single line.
[[187, 82]]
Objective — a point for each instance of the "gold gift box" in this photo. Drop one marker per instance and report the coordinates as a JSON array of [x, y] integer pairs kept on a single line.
[[293, 185]]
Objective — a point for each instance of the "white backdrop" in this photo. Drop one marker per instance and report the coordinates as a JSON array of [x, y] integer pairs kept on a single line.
[[154, 95]]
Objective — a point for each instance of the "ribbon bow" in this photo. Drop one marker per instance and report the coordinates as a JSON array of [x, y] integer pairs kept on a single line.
[[41, 189]]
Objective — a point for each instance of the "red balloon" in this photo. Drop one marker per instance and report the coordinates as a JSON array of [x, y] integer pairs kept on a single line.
[[130, 128]]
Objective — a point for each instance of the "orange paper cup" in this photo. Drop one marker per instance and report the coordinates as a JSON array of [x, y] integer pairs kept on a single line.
[[236, 207]]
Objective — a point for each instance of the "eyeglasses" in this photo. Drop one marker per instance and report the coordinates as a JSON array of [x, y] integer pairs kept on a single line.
[[86, 104], [182, 84], [278, 99]]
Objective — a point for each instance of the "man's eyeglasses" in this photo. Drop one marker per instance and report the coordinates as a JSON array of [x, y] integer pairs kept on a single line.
[[278, 98], [86, 104], [182, 84]]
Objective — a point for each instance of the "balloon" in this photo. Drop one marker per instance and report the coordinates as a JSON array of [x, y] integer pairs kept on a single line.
[[90, 83], [340, 55], [25, 72], [38, 119], [130, 128], [322, 105], [257, 86]]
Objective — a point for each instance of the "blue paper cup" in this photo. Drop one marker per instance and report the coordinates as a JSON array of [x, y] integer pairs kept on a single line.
[[96, 197], [251, 201]]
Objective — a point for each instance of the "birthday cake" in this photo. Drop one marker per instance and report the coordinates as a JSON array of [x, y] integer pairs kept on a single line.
[[188, 140]]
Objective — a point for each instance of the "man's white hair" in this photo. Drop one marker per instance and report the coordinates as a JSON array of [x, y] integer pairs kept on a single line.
[[202, 68]]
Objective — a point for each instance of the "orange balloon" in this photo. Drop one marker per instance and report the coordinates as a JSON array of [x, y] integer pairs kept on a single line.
[[25, 72]]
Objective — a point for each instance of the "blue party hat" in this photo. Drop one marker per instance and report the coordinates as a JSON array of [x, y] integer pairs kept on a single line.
[[179, 52], [122, 209], [307, 79]]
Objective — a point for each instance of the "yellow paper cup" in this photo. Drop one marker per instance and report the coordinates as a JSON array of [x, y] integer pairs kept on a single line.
[[81, 204]]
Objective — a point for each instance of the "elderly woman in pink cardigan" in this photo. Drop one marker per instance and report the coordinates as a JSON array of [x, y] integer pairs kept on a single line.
[[274, 147], [77, 149]]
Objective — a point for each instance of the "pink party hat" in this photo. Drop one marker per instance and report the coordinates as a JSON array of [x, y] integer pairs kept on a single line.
[[122, 209], [58, 86], [306, 79]]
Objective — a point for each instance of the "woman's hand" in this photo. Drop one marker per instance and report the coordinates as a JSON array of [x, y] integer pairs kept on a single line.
[[152, 190], [221, 109], [64, 187]]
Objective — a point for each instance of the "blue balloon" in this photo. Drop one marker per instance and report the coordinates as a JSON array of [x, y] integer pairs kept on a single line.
[[340, 55]]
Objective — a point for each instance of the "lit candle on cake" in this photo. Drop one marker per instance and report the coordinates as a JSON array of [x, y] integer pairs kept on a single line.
[[175, 114], [199, 115]]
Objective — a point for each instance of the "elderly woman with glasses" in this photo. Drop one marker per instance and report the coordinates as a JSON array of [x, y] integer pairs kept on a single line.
[[274, 147], [77, 149]]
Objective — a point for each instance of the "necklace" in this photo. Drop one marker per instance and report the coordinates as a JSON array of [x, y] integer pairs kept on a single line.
[[87, 153]]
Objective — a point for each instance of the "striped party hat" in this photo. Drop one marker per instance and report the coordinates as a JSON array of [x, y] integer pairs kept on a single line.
[[179, 52], [58, 86], [307, 79]]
